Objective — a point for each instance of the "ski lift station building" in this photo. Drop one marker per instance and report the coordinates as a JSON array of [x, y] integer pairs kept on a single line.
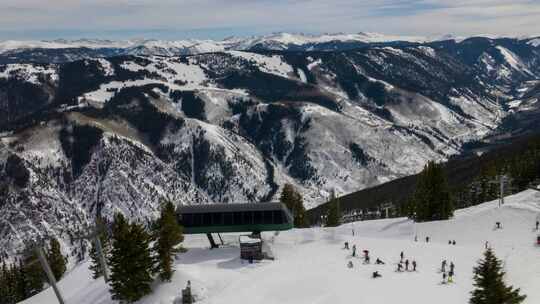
[[224, 218]]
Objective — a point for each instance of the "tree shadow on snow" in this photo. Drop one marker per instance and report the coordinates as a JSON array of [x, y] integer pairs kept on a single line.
[[200, 255]]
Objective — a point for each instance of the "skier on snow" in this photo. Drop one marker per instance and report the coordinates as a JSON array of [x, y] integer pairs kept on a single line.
[[414, 265], [354, 250], [443, 266], [407, 265]]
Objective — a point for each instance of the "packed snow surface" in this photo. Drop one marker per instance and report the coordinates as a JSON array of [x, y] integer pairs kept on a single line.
[[311, 264]]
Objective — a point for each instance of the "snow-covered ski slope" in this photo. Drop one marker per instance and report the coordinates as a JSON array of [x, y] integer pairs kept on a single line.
[[310, 265]]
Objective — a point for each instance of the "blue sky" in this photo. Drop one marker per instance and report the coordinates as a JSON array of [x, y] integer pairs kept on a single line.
[[216, 19]]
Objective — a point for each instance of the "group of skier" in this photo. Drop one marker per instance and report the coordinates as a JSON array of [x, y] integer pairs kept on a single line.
[[366, 258], [447, 277], [416, 238], [405, 264], [400, 266]]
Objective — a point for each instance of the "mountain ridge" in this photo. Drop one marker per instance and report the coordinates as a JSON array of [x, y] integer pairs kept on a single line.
[[99, 135]]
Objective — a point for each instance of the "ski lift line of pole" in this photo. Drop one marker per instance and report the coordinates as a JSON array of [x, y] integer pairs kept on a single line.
[[502, 179], [37, 246], [49, 273], [99, 248]]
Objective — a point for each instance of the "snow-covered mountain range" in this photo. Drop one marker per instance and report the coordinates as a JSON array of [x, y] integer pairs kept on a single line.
[[62, 50], [124, 133]]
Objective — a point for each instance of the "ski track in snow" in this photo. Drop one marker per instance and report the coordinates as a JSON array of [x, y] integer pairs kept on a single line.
[[310, 265]]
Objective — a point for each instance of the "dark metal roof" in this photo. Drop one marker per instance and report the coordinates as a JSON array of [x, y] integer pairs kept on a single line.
[[209, 208]]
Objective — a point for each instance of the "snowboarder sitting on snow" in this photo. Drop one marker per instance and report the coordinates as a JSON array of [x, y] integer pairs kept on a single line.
[[376, 275], [379, 262], [449, 242], [454, 242], [498, 225], [350, 264], [346, 245], [414, 265]]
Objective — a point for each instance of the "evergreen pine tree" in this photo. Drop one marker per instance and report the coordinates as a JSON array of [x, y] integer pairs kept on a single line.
[[130, 261], [168, 235], [432, 200], [300, 219], [30, 276], [4, 290], [56, 260], [489, 283], [334, 211], [287, 196], [295, 203]]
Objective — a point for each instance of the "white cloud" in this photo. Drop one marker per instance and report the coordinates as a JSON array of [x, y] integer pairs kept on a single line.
[[415, 17]]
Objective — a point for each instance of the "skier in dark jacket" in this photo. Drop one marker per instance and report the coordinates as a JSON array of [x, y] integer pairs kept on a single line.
[[346, 245], [443, 266], [353, 250], [450, 276], [427, 239], [444, 277], [400, 267], [454, 242], [537, 224], [452, 266], [366, 256], [414, 265], [401, 255], [407, 265]]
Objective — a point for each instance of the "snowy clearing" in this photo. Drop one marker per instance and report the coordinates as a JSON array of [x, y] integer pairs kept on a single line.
[[310, 265]]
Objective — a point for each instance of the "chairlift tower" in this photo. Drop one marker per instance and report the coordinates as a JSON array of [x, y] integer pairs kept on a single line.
[[37, 246], [501, 180]]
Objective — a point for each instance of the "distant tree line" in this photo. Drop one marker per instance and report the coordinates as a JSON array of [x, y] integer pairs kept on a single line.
[[522, 167], [434, 199]]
